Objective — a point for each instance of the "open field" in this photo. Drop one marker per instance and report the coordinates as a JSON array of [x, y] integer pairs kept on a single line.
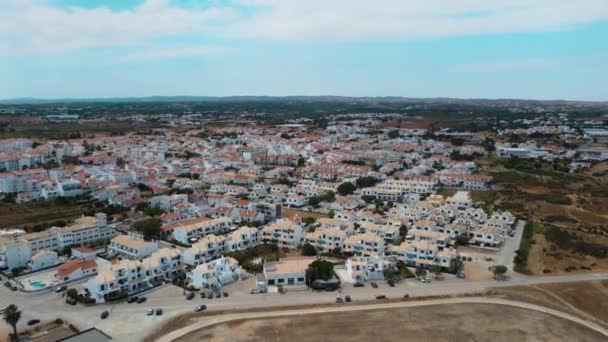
[[570, 208], [588, 300], [451, 322], [302, 213], [86, 129], [36, 213]]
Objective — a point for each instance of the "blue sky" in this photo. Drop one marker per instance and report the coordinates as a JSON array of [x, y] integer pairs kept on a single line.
[[468, 48]]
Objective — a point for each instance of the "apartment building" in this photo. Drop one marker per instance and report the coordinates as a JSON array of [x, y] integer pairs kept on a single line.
[[365, 244], [186, 231], [205, 249], [243, 238], [326, 240], [20, 181], [387, 232], [214, 274], [287, 271], [129, 276], [285, 233]]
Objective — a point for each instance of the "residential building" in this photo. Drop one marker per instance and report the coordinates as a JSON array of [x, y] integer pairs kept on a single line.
[[215, 274]]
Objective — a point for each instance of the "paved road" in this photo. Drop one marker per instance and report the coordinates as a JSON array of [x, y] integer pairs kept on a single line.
[[128, 322], [212, 320]]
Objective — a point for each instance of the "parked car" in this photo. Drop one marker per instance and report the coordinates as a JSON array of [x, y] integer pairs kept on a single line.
[[460, 275], [105, 315], [425, 280], [159, 312], [200, 308], [218, 295], [339, 300], [374, 284], [132, 299], [210, 295], [33, 322], [61, 289], [141, 300], [203, 295], [381, 296], [150, 312], [190, 296], [391, 283], [359, 284], [406, 296], [347, 299], [70, 301], [225, 294]]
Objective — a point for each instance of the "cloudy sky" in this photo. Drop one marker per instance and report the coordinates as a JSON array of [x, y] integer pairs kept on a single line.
[[546, 49]]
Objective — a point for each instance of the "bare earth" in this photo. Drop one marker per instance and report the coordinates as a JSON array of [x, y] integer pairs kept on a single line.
[[471, 322]]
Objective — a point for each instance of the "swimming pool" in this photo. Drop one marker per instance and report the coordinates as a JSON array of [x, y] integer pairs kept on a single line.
[[37, 284]]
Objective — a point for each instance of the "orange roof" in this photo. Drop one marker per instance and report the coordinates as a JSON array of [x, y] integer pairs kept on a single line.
[[70, 266]]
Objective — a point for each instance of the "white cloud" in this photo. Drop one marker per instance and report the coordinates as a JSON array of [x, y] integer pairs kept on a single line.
[[336, 20], [37, 27]]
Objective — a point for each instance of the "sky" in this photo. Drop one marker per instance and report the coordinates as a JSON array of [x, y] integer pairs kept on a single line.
[[532, 49]]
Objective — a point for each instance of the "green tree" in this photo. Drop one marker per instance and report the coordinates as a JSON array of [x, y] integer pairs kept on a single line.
[[366, 182], [346, 188], [314, 201], [328, 196], [499, 271], [12, 315], [456, 265], [319, 269], [393, 134], [150, 228], [308, 250]]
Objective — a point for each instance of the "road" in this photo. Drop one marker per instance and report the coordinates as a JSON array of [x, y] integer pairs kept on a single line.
[[212, 320], [128, 322]]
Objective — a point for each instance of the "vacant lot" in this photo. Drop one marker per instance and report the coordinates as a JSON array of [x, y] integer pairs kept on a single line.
[[572, 209], [476, 322], [302, 213], [588, 300]]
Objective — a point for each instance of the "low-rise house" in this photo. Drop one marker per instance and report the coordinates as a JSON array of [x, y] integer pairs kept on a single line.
[[215, 274], [487, 237], [84, 253], [205, 249], [326, 240], [43, 259], [184, 231], [362, 269], [76, 269], [287, 271], [243, 238], [387, 232], [461, 199]]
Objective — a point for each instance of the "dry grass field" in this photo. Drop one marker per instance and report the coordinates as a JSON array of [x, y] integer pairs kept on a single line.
[[471, 322]]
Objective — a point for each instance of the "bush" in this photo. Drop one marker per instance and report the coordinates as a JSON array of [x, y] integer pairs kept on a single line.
[[308, 250]]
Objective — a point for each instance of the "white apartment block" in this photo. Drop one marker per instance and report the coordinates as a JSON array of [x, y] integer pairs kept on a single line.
[[207, 248], [20, 181], [366, 244], [129, 276], [215, 274], [192, 229], [362, 269], [387, 232], [326, 240], [285, 234]]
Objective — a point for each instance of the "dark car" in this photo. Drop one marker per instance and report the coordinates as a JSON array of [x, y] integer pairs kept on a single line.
[[210, 295], [391, 283], [203, 295], [33, 321], [132, 299], [339, 300], [380, 296], [374, 284], [70, 301], [347, 299], [61, 289], [358, 284], [225, 294], [190, 296], [105, 315], [200, 308], [159, 312], [141, 300], [218, 295]]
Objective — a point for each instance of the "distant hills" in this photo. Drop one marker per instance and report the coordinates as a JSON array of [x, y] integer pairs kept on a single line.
[[322, 98]]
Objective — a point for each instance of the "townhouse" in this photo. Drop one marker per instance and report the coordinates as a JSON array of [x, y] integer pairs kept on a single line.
[[326, 240], [186, 231], [362, 269], [132, 247], [205, 249], [385, 231]]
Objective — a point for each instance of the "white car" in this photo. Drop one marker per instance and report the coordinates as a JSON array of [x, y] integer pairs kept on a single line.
[[150, 312]]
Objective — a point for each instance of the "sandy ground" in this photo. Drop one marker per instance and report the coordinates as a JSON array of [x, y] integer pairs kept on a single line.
[[471, 322]]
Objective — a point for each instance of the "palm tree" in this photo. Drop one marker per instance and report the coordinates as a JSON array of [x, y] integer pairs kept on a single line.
[[12, 315]]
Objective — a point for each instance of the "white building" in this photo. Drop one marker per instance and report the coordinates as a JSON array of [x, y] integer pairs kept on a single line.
[[286, 234], [215, 274], [287, 271], [43, 259], [362, 269], [132, 247]]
